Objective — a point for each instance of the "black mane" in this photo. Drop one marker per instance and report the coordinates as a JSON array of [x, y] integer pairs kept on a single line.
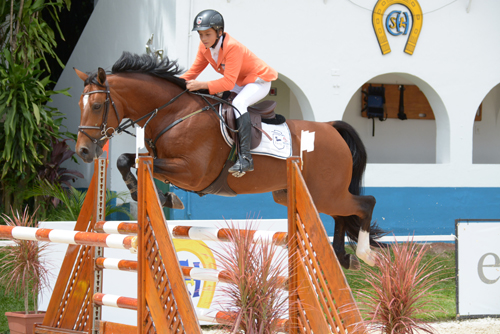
[[148, 64]]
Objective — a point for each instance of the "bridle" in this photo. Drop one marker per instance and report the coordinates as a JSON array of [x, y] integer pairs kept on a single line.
[[104, 129]]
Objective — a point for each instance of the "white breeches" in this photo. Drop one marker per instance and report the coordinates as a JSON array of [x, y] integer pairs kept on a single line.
[[249, 94]]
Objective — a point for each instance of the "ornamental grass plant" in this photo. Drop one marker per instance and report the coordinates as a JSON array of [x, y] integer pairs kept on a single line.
[[255, 294], [23, 270], [400, 290]]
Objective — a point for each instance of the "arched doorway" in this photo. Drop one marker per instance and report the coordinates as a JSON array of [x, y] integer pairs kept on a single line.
[[486, 137], [411, 141]]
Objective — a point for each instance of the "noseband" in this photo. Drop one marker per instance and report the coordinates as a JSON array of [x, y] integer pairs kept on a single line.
[[104, 129]]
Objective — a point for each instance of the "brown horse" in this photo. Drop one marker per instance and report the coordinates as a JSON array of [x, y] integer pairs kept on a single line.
[[191, 153]]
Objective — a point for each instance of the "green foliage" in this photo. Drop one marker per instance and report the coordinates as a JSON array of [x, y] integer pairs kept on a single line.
[[28, 123], [72, 201], [28, 36], [28, 126]]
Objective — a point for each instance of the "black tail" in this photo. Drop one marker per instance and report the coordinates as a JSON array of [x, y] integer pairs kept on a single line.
[[352, 224]]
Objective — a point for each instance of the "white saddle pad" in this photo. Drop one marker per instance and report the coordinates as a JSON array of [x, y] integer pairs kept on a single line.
[[280, 145]]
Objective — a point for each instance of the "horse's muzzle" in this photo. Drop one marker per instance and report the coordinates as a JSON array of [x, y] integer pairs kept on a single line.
[[88, 153]]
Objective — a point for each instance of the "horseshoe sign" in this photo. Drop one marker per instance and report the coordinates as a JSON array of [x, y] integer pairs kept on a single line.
[[397, 23]]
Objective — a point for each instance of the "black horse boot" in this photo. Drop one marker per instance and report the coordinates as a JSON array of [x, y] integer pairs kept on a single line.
[[244, 162]]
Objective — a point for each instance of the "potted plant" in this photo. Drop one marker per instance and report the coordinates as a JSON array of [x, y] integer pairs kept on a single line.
[[23, 273]]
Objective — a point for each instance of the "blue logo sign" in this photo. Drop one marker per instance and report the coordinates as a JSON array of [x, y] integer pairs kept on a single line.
[[397, 23]]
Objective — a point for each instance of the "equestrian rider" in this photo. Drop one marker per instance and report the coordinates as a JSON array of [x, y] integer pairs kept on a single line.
[[244, 73]]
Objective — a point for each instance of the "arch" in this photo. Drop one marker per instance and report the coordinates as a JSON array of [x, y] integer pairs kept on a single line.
[[441, 143], [486, 133], [303, 101], [378, 23]]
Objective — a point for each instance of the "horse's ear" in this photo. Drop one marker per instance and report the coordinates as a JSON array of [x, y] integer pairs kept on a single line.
[[81, 75], [101, 76]]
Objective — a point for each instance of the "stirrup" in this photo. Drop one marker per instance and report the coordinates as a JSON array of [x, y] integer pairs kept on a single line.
[[237, 168]]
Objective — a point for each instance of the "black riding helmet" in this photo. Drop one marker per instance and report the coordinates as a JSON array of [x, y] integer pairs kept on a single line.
[[207, 19]]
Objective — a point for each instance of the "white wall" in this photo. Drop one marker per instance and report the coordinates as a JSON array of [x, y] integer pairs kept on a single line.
[[487, 131], [114, 27], [325, 51]]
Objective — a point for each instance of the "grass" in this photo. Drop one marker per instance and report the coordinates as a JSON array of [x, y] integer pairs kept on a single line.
[[8, 303], [447, 292]]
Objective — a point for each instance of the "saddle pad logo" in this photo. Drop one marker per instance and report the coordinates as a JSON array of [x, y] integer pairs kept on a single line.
[[277, 143], [279, 139]]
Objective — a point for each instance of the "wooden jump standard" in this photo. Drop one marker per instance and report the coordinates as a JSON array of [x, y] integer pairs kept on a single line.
[[163, 304]]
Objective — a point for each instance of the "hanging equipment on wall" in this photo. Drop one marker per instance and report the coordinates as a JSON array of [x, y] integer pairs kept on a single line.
[[375, 104], [401, 114]]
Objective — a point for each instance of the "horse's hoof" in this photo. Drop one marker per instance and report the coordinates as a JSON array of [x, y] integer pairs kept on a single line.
[[171, 200], [354, 263], [367, 256], [175, 201]]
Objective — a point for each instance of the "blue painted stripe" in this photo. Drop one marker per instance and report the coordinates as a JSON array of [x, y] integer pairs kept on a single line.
[[403, 211]]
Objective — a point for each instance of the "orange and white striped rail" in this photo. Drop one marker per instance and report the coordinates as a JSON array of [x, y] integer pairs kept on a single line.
[[102, 299], [195, 232], [69, 237], [202, 274], [210, 275], [212, 316]]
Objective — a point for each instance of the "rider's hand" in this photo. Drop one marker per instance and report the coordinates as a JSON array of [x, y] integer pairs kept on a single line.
[[193, 85]]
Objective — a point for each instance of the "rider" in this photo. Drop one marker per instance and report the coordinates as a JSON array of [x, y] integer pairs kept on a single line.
[[244, 73]]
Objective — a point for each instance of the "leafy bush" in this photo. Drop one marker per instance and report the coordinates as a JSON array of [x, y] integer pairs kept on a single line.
[[29, 124]]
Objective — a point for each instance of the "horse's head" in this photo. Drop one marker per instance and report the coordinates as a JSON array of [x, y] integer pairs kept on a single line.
[[97, 121]]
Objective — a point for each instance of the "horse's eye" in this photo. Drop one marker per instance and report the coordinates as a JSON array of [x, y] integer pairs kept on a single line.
[[96, 106]]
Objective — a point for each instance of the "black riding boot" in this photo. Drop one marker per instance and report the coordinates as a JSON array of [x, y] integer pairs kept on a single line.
[[244, 162]]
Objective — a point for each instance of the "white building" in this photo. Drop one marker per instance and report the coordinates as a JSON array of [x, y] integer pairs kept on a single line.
[[424, 172]]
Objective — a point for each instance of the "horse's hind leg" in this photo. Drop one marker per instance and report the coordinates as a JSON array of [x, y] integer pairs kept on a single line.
[[352, 216], [363, 251], [124, 164], [348, 261]]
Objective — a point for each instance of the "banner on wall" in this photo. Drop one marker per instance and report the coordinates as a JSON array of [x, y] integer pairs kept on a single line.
[[478, 267]]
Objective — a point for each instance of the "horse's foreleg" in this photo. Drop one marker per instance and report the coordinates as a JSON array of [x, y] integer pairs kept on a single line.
[[169, 199], [363, 250], [124, 164]]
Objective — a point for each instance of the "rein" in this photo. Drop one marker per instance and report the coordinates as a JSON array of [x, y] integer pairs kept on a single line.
[[130, 123]]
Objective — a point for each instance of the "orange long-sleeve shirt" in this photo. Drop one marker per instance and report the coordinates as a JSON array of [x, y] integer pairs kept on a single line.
[[235, 62]]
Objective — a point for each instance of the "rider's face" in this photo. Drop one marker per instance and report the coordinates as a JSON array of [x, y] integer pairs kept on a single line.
[[208, 37]]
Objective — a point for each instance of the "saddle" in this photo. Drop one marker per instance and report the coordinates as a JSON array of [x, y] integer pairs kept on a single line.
[[260, 112]]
